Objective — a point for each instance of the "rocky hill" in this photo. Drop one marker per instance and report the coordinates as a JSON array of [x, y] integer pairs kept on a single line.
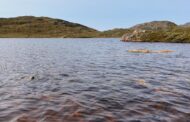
[[158, 31], [29, 26], [154, 25], [149, 26]]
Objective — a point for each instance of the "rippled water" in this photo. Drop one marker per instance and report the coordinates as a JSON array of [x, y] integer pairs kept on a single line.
[[93, 80]]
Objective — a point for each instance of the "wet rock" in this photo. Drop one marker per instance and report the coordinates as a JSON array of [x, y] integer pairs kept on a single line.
[[26, 77], [32, 78], [140, 51], [164, 51], [141, 82]]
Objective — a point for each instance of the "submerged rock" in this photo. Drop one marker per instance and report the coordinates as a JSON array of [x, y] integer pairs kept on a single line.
[[140, 51], [164, 51], [27, 78], [150, 51], [141, 82]]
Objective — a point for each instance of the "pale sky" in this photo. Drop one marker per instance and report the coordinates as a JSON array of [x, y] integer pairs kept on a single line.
[[101, 14]]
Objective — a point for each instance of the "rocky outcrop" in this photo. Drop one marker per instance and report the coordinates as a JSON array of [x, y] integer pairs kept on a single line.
[[135, 36]]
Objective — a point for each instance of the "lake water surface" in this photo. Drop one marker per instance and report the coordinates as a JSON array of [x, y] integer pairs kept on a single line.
[[93, 80]]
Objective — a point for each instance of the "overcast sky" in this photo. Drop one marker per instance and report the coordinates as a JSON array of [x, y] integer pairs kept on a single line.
[[101, 14]]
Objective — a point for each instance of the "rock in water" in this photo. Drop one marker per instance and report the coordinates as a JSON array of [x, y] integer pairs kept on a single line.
[[150, 51], [164, 51], [140, 51], [32, 77]]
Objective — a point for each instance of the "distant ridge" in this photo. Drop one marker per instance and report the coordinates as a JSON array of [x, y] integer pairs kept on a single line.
[[30, 26], [186, 25]]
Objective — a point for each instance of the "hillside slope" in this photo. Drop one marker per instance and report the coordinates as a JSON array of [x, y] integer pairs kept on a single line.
[[29, 26], [154, 25]]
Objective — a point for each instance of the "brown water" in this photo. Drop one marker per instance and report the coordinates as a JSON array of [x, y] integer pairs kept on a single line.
[[93, 80]]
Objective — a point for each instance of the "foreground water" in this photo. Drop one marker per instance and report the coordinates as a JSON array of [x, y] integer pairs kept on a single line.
[[93, 80]]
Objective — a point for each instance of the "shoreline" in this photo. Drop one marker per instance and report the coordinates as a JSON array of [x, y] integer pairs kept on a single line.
[[119, 39]]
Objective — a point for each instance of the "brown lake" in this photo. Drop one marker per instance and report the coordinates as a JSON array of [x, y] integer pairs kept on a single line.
[[93, 80]]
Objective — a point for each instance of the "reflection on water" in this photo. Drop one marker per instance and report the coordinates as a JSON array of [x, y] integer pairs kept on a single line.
[[93, 80]]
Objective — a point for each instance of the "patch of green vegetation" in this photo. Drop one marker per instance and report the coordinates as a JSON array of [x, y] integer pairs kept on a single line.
[[177, 35], [115, 33]]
